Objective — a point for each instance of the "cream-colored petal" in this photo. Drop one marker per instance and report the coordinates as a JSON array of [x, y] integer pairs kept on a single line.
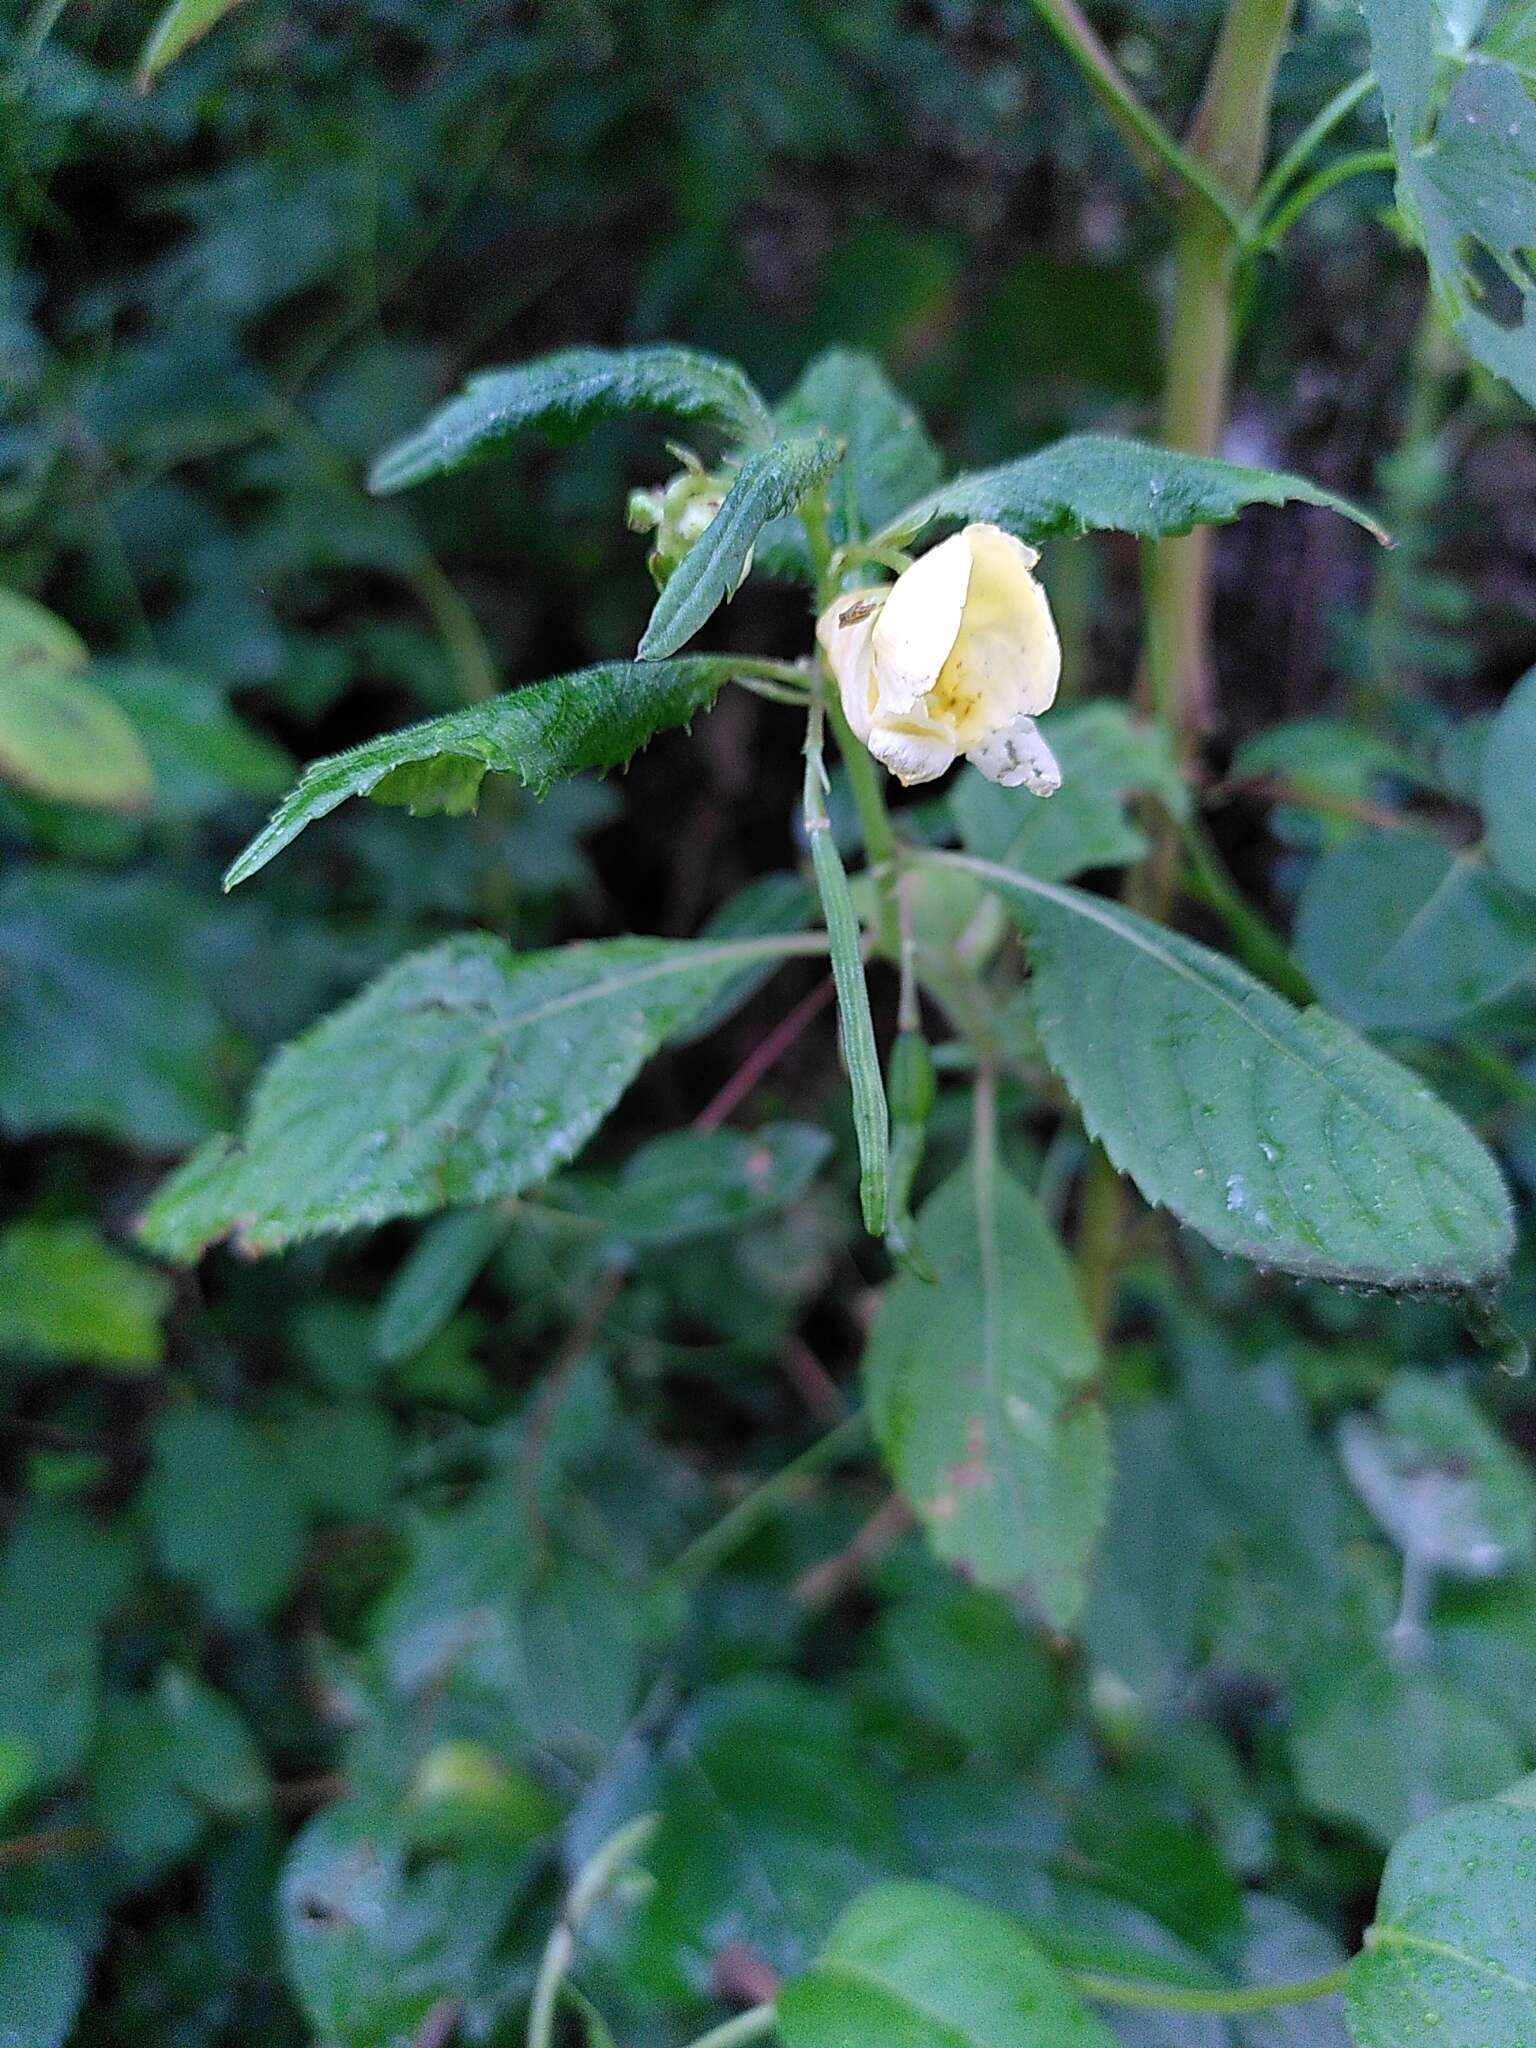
[[1007, 657], [916, 632], [849, 649], [1017, 757], [913, 753]]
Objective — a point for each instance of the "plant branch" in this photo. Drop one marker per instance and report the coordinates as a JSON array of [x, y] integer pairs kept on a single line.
[[1305, 147], [1190, 1998], [587, 1887], [715, 1545], [1150, 143]]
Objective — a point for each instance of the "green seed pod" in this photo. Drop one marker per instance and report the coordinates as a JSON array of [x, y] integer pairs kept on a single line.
[[910, 1086]]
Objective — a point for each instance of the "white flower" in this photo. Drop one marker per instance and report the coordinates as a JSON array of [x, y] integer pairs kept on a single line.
[[958, 656]]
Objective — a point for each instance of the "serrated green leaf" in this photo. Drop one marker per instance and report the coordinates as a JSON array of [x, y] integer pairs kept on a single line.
[[60, 736], [67, 1297], [770, 482], [1507, 785], [1276, 1133], [1398, 933], [1463, 130], [463, 1073], [1450, 1960], [177, 28], [592, 718], [977, 1393], [1092, 482], [1107, 757], [915, 1965], [564, 395]]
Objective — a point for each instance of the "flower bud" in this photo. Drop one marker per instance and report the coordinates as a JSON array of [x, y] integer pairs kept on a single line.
[[678, 514], [958, 656]]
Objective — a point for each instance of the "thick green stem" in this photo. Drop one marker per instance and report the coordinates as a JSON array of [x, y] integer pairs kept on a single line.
[[1229, 136]]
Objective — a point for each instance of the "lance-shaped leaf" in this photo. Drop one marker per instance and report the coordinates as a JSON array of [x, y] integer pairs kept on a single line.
[[1276, 1133], [1093, 481], [182, 23], [464, 1073], [1451, 1958], [769, 483], [593, 718], [1463, 130], [977, 1389], [566, 394]]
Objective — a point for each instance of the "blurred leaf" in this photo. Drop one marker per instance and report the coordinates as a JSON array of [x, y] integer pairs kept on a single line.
[[498, 1646], [1466, 163], [67, 1296], [429, 1287], [224, 1512], [565, 394], [167, 1763], [1277, 1134], [967, 1659], [106, 1024], [888, 460], [60, 736], [376, 1933], [203, 756], [42, 1983], [1441, 1481], [697, 1184], [770, 1823], [1090, 482], [1107, 757], [914, 1964], [1121, 1844], [770, 483], [595, 718], [978, 1392], [179, 26], [1377, 1747], [1451, 1956], [1506, 781], [1398, 933], [463, 1073]]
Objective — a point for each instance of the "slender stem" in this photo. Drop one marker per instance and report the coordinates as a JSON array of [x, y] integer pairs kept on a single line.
[[588, 1886], [1258, 947], [1149, 141], [1285, 216], [863, 776], [1189, 1998], [747, 2026], [717, 1542], [1305, 147]]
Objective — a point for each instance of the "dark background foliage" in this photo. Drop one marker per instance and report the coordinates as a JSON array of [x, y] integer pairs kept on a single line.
[[251, 1511]]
